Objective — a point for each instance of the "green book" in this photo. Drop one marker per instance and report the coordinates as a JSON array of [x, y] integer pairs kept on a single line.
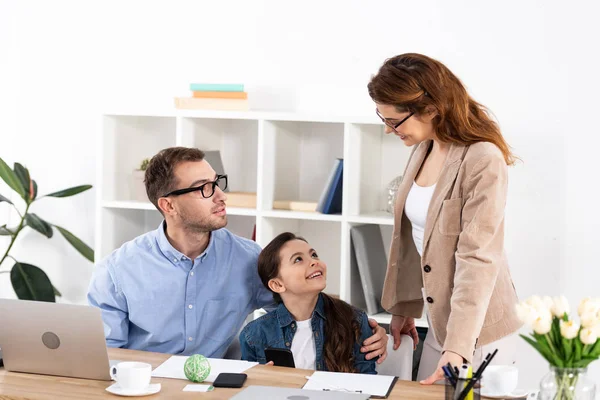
[[216, 87]]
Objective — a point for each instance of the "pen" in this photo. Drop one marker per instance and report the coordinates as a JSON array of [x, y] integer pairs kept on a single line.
[[331, 387], [449, 376], [477, 375]]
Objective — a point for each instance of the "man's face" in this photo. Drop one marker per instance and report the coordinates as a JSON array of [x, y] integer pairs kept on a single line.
[[193, 211]]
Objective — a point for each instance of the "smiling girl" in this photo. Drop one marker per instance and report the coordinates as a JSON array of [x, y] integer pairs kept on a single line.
[[322, 333]]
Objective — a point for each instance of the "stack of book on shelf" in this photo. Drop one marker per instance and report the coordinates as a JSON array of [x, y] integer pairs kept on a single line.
[[368, 265], [214, 96], [330, 201]]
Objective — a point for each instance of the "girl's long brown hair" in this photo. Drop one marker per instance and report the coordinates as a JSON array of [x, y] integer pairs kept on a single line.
[[342, 330], [413, 82]]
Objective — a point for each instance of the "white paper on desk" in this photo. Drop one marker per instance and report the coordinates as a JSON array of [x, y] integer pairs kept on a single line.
[[374, 385], [173, 367]]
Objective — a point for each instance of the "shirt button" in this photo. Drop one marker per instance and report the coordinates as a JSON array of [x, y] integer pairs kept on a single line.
[[190, 306], [192, 273], [287, 344], [427, 268], [293, 325], [190, 338], [174, 260], [429, 300], [316, 334]]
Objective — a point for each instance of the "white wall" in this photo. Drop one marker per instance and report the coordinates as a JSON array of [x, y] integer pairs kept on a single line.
[[534, 63]]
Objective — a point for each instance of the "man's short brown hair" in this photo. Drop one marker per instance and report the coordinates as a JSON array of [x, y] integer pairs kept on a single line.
[[160, 175]]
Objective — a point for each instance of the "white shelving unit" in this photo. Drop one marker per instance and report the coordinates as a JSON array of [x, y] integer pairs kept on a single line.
[[278, 156]]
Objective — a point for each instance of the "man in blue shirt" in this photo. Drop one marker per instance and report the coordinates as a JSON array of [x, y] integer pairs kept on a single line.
[[188, 286]]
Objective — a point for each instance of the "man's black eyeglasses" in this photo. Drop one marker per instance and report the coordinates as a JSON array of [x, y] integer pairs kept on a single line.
[[393, 126], [207, 189]]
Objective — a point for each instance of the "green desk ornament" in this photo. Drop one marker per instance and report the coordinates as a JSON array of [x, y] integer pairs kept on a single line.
[[196, 368]]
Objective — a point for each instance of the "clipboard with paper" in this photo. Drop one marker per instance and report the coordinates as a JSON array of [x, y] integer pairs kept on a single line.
[[377, 386]]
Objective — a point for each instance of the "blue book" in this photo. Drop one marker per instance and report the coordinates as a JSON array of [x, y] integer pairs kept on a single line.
[[332, 203], [216, 87]]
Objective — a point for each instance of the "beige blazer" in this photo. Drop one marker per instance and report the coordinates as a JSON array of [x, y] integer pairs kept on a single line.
[[470, 294]]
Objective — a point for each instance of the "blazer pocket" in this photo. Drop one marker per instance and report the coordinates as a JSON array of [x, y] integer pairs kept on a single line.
[[450, 217]]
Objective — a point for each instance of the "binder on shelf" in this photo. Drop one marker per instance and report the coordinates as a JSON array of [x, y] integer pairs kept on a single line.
[[372, 263], [331, 197], [357, 294]]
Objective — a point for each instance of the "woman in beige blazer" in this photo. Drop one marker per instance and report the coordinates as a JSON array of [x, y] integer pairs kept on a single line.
[[447, 253]]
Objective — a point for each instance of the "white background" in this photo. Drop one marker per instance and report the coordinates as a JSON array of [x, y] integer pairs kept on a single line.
[[533, 63]]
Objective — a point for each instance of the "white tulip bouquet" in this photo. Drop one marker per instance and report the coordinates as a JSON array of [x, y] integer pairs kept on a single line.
[[563, 342]]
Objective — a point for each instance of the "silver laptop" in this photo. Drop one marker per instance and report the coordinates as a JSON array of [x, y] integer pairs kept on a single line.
[[53, 339], [277, 393]]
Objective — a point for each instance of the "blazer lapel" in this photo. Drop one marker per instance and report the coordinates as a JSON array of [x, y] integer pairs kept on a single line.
[[443, 186]]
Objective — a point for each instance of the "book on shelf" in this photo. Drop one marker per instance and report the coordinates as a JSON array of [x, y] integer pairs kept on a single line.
[[216, 87], [330, 201], [219, 95], [305, 206], [371, 261], [193, 103], [241, 199]]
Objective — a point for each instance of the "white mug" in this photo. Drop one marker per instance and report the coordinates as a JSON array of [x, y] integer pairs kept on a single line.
[[498, 380], [132, 376]]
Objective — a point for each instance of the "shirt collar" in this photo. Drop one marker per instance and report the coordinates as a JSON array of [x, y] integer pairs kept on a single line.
[[171, 252], [285, 317]]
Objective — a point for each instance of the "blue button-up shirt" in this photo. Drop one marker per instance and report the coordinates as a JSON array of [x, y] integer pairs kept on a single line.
[[277, 329], [154, 298]]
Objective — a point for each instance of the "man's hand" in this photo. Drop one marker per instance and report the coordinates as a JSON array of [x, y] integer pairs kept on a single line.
[[376, 345], [403, 325], [448, 357]]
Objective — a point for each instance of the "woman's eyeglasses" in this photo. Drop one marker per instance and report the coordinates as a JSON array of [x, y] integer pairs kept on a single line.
[[207, 189], [393, 126]]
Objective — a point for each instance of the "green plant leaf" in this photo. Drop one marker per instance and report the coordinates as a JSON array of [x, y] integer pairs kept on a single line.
[[11, 179], [4, 231], [70, 191], [56, 292], [35, 189], [2, 198], [39, 225], [536, 345], [79, 245], [567, 345], [596, 349], [23, 174], [578, 350], [31, 283]]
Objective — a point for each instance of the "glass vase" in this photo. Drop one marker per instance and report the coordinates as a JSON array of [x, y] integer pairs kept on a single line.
[[567, 384], [391, 191]]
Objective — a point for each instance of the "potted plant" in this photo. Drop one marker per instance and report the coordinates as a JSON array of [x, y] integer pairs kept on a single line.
[[29, 281], [568, 346], [138, 188]]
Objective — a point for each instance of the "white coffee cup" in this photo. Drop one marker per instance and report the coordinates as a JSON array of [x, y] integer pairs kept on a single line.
[[132, 376], [498, 380]]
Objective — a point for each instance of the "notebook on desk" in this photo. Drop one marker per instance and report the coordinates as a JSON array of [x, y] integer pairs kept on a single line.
[[375, 386]]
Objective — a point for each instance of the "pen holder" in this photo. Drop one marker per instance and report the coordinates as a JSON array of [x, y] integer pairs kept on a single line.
[[452, 392]]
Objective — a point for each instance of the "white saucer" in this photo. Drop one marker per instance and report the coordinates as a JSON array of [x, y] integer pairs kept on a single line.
[[151, 389], [517, 394]]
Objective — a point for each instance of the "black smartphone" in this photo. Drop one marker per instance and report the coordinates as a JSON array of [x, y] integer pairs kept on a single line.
[[280, 357], [229, 380]]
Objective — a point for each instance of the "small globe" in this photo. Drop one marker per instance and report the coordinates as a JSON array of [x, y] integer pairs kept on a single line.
[[196, 368]]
